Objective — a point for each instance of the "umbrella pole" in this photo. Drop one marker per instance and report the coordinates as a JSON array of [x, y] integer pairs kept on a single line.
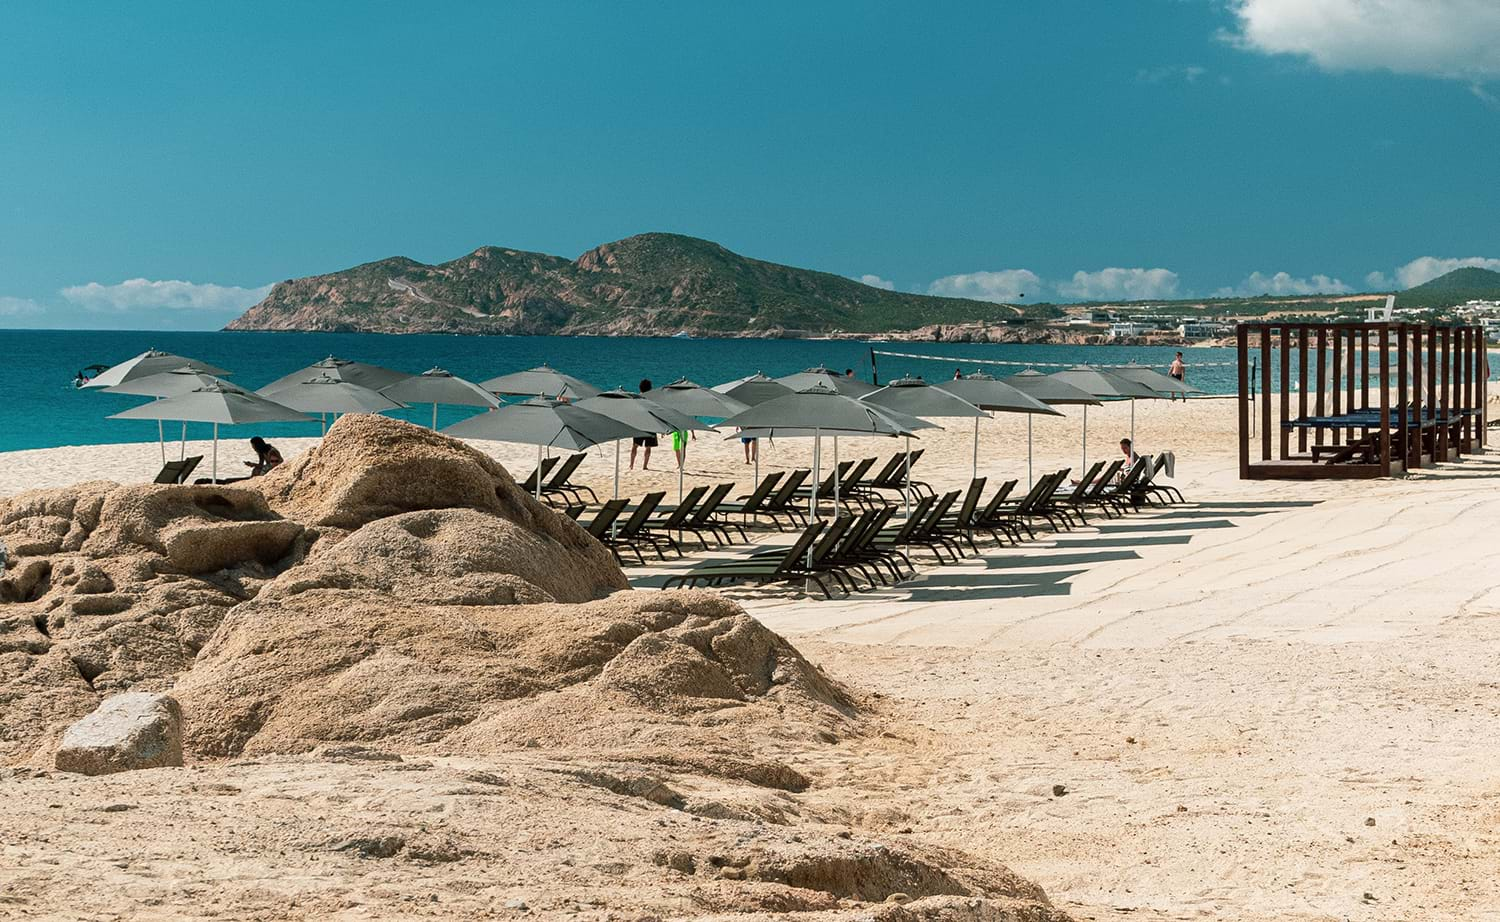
[[216, 453], [161, 436], [836, 477], [906, 484], [1085, 437], [182, 450], [812, 498], [1132, 423], [539, 473], [434, 417], [976, 448], [617, 469], [1030, 481]]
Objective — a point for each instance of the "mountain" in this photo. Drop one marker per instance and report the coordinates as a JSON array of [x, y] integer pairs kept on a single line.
[[650, 284], [1467, 284]]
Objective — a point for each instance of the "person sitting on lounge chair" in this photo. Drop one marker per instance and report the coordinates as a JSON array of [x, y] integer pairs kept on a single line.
[[266, 457], [1128, 451]]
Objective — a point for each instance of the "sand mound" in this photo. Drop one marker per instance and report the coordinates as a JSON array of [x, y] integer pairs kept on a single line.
[[109, 587], [676, 670]]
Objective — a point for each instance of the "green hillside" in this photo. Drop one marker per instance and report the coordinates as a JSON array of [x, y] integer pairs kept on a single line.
[[1470, 283]]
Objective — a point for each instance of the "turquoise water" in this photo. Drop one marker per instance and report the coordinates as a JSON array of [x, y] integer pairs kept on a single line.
[[39, 408]]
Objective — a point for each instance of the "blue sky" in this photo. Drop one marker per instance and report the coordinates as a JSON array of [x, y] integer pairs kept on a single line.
[[161, 163]]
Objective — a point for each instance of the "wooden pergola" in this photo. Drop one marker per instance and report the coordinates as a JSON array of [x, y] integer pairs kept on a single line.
[[1358, 400]]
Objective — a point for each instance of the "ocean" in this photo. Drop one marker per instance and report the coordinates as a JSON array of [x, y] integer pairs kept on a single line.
[[40, 408]]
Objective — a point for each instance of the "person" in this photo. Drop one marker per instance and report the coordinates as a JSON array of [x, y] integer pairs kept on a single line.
[[647, 442], [752, 448], [80, 379], [1128, 450], [679, 447], [958, 374], [848, 372], [1178, 371], [266, 457]]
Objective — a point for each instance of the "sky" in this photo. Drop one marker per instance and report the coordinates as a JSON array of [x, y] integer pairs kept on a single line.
[[162, 164]]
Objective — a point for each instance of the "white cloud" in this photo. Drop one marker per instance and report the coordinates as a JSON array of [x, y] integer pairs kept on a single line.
[[1283, 283], [1427, 268], [1189, 74], [18, 307], [134, 294], [1379, 281], [1454, 39], [875, 281], [1120, 284], [1002, 286]]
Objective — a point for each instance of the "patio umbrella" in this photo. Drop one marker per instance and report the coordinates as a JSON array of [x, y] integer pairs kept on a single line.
[[1050, 391], [435, 386], [544, 423], [696, 400], [540, 381], [169, 384], [849, 387], [365, 375], [916, 397], [1105, 385], [215, 404], [1163, 385], [818, 411], [150, 362], [324, 395], [754, 390], [644, 415]]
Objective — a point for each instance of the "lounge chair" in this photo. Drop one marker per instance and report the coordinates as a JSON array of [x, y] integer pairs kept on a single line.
[[788, 566], [1150, 485], [783, 503], [558, 484], [661, 528], [961, 524], [925, 534], [632, 534], [529, 485], [750, 503], [708, 518], [178, 471]]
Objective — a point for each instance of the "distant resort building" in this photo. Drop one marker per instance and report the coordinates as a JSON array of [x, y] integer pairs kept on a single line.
[[1122, 329]]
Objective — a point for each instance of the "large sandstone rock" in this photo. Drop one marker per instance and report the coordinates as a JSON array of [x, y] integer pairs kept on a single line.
[[129, 731]]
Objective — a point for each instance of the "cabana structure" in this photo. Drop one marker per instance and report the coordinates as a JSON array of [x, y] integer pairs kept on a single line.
[[1358, 400]]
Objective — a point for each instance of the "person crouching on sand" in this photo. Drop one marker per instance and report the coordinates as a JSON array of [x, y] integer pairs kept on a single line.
[[266, 457]]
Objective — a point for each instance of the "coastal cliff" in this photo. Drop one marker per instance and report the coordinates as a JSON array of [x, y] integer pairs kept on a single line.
[[650, 284]]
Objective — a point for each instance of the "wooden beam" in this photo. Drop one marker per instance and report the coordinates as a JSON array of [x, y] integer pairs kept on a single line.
[[1286, 390], [1241, 337], [1302, 384], [1336, 384], [1445, 397], [1403, 413], [1265, 392], [1385, 400], [1322, 379]]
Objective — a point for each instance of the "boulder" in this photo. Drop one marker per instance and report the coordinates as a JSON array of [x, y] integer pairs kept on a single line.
[[127, 732]]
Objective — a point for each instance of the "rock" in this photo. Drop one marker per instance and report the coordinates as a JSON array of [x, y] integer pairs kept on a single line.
[[1059, 790], [515, 904], [129, 731], [1369, 821]]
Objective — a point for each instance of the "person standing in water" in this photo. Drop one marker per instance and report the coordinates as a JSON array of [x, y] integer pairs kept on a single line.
[[1178, 371]]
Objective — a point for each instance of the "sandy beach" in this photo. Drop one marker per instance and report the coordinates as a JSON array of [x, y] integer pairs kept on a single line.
[[1271, 702]]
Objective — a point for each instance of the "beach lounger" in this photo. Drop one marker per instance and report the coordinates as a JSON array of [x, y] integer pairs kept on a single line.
[[708, 517], [559, 484], [178, 471], [630, 535], [926, 534], [661, 528], [961, 524], [789, 566], [783, 503], [602, 522], [1150, 485], [529, 485]]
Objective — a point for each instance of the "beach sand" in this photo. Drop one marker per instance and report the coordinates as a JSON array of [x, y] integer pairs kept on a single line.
[[1276, 701]]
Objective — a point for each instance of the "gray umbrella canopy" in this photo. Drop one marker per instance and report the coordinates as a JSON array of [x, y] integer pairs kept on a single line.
[[437, 385], [918, 398], [1102, 383], [641, 413], [371, 376], [218, 405], [990, 393], [696, 400], [324, 394], [148, 363], [1048, 389], [544, 423], [542, 380], [849, 387], [754, 390], [170, 384], [1162, 384]]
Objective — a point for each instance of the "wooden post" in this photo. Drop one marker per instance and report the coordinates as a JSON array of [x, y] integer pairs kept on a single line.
[[1403, 416], [1302, 332], [1322, 379], [1419, 406], [1432, 390], [1286, 390], [1337, 381], [1265, 392], [1242, 344], [1385, 400], [1466, 387], [1364, 365], [1445, 398]]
